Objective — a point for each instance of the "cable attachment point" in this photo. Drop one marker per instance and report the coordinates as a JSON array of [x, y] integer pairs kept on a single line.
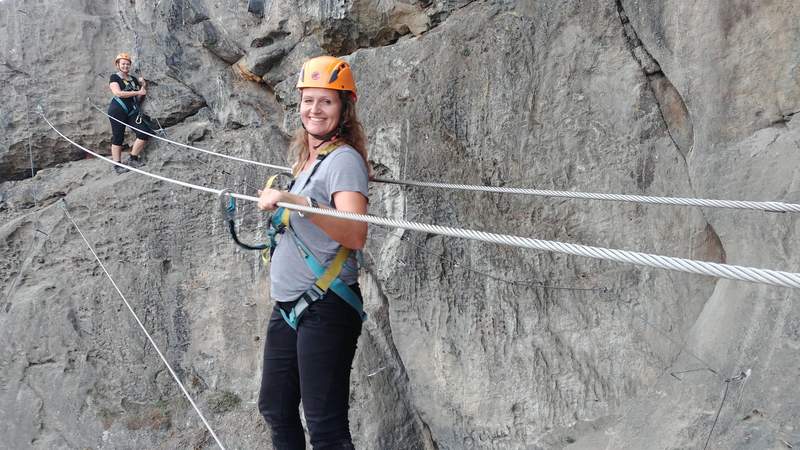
[[743, 375], [227, 205]]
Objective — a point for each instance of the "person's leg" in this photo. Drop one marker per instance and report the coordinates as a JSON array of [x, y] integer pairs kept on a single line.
[[279, 396], [116, 152], [138, 146], [326, 343], [141, 138], [117, 139]]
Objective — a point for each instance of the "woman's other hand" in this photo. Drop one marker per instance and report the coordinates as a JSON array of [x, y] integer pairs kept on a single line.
[[268, 199]]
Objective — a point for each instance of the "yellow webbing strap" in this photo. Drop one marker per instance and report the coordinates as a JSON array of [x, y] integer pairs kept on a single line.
[[271, 181], [334, 269], [285, 217], [284, 212], [329, 148]]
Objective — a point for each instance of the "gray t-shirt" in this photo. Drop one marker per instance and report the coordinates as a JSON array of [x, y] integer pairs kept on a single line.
[[290, 276]]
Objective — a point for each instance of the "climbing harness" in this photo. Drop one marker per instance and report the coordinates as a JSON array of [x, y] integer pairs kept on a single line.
[[141, 117], [129, 112], [279, 224], [728, 271], [120, 102]]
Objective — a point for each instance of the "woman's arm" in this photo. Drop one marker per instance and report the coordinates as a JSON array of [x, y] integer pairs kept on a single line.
[[348, 233], [114, 86], [143, 88]]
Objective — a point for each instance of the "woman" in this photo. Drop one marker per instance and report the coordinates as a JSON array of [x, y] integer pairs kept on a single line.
[[310, 357], [128, 93]]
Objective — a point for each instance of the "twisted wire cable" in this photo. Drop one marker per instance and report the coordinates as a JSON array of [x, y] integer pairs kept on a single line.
[[222, 155], [677, 201], [732, 272], [140, 171], [768, 206], [141, 325]]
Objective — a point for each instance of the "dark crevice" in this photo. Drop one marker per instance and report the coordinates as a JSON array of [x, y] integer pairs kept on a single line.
[[440, 16], [218, 44], [670, 103], [15, 70], [342, 37], [708, 246], [784, 119], [256, 7], [271, 37], [42, 362]]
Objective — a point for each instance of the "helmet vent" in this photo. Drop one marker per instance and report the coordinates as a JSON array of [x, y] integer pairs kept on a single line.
[[334, 75]]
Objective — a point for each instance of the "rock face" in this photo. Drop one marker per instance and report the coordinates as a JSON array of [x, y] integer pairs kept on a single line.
[[468, 345]]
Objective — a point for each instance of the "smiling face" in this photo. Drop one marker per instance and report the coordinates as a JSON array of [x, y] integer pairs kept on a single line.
[[320, 110], [124, 65]]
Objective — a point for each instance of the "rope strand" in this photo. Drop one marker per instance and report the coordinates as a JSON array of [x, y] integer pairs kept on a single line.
[[191, 147], [768, 206], [139, 322], [741, 273]]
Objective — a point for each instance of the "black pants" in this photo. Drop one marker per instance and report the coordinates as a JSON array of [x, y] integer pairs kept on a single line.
[[312, 363], [118, 129]]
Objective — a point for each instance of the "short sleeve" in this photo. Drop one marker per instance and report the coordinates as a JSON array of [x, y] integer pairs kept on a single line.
[[115, 79], [347, 173]]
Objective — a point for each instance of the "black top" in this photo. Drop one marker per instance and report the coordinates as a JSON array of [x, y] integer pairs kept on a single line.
[[131, 84]]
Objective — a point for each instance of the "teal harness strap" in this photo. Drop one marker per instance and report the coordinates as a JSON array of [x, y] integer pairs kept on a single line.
[[315, 293], [135, 99], [327, 277], [122, 104]]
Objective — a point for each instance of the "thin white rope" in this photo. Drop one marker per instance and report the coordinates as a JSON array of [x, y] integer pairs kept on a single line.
[[732, 272], [141, 325], [769, 206], [247, 161]]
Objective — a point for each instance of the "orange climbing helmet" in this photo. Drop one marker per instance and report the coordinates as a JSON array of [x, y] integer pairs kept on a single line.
[[327, 72], [122, 55]]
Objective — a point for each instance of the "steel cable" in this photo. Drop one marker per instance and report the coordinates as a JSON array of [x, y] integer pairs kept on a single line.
[[222, 155], [733, 272], [769, 206]]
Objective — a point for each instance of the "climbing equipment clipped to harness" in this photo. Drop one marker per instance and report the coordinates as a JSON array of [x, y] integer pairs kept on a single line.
[[279, 223], [125, 108], [227, 204]]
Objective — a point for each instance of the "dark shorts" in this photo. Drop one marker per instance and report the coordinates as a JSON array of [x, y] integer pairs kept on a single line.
[[118, 129]]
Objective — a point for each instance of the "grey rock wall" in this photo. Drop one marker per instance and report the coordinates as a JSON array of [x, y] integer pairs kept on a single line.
[[468, 345]]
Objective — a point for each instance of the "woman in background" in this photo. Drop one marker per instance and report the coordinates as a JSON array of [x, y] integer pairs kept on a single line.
[[128, 94]]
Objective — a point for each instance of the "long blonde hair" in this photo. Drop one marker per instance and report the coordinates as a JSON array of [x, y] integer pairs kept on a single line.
[[352, 133]]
